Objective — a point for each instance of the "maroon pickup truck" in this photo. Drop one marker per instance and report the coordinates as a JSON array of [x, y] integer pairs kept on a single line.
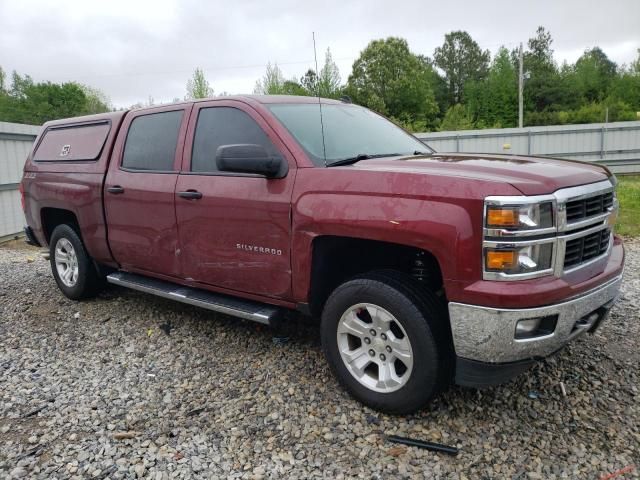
[[425, 268]]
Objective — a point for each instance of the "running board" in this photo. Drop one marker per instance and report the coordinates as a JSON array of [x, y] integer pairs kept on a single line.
[[247, 309]]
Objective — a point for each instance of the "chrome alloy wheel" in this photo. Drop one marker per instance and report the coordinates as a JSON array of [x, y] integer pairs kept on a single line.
[[66, 262], [375, 347]]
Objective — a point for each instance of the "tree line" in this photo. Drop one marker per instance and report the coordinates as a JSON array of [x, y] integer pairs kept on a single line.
[[26, 101], [460, 86]]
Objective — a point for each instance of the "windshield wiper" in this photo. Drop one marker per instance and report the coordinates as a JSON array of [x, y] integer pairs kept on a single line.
[[359, 157]]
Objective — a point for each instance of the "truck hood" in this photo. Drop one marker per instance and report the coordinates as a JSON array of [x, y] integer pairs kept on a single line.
[[530, 175]]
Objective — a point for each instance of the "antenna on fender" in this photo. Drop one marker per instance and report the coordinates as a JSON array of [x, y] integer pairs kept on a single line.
[[315, 56]]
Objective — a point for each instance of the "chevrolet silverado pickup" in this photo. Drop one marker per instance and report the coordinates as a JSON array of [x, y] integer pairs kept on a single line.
[[424, 268]]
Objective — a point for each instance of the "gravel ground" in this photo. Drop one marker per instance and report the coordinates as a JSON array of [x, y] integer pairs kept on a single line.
[[216, 397]]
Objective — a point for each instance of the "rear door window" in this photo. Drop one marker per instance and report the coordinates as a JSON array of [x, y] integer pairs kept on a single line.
[[224, 126], [151, 142], [72, 143]]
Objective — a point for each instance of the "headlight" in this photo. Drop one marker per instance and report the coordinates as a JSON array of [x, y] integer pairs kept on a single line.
[[519, 217], [517, 237], [509, 259]]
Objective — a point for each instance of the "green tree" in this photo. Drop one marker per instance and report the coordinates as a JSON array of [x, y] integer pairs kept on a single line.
[[456, 118], [3, 76], [272, 83], [198, 86], [625, 87], [461, 59], [96, 101], [327, 84], [493, 102], [329, 78], [543, 87], [26, 101], [437, 82], [635, 65], [594, 73], [309, 82], [390, 79], [291, 87]]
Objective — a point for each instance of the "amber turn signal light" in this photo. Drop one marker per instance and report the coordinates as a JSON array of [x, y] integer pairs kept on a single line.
[[502, 217], [501, 259]]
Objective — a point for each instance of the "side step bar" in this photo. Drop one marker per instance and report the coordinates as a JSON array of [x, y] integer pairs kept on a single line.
[[247, 309]]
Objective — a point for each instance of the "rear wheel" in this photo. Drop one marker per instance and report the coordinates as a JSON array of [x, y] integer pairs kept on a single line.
[[73, 269], [382, 336]]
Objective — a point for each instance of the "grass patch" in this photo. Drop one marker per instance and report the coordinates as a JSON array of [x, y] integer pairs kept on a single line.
[[629, 197]]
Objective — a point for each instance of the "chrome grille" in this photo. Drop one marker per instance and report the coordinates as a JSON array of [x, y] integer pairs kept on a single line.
[[588, 207], [583, 249]]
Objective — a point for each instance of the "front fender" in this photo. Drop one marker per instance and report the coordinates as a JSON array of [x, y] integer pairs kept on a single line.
[[442, 227]]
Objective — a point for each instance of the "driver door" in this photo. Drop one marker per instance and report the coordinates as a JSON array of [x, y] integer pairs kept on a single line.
[[235, 232]]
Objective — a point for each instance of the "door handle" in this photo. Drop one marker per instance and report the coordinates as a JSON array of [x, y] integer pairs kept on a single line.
[[191, 195], [115, 189]]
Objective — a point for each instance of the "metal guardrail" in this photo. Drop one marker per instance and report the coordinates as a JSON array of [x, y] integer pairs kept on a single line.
[[616, 145], [15, 143]]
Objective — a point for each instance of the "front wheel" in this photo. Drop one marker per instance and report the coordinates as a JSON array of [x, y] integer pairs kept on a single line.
[[382, 335], [71, 265]]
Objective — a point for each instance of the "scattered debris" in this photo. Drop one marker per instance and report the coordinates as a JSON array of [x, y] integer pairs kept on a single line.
[[76, 315], [564, 390], [533, 395], [195, 411], [125, 435], [434, 447], [373, 419], [34, 412], [35, 451], [150, 332], [166, 328], [397, 451], [617, 473]]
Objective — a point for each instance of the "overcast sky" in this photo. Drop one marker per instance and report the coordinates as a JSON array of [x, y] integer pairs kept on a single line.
[[133, 49]]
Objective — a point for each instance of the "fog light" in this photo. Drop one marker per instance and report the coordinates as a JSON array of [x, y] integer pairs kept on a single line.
[[528, 328], [525, 328]]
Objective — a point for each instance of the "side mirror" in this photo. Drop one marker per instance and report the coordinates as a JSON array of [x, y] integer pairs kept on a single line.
[[248, 158]]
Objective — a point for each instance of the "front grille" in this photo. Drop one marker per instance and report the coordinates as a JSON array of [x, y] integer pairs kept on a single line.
[[588, 207], [583, 249]]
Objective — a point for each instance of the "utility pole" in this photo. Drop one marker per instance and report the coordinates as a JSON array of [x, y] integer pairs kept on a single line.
[[520, 89]]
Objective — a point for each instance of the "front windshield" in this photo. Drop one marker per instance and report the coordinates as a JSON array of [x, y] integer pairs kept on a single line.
[[349, 131]]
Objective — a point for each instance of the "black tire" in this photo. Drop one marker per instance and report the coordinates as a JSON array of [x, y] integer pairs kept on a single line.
[[89, 282], [424, 320]]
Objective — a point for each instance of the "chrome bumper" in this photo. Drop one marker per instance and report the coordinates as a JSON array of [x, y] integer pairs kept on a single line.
[[488, 334]]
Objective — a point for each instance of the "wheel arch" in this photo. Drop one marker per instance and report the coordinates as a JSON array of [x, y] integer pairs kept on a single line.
[[52, 217], [335, 259]]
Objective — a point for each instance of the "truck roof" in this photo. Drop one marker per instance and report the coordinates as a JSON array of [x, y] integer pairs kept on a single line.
[[275, 99]]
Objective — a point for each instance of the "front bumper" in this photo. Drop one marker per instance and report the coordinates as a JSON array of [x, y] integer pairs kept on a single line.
[[485, 334]]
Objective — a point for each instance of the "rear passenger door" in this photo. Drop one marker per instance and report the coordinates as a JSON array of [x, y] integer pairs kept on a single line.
[[139, 190], [237, 234]]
